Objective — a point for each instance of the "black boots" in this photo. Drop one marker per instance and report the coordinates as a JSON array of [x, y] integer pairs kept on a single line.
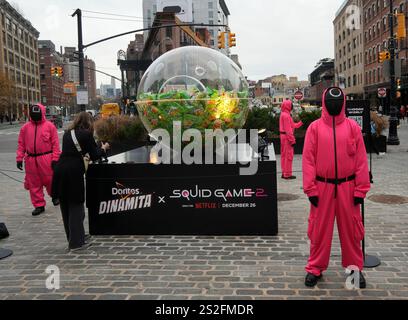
[[38, 211], [311, 280]]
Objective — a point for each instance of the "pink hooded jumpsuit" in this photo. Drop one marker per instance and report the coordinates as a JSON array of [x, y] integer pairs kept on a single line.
[[334, 148], [286, 128], [38, 146]]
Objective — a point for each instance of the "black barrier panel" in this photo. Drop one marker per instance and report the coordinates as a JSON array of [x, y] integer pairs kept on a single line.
[[146, 199], [359, 110]]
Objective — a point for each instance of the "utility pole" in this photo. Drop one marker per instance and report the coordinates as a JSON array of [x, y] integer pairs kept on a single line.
[[78, 13], [393, 109]]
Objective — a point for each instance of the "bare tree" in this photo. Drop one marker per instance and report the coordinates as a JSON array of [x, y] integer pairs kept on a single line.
[[8, 100]]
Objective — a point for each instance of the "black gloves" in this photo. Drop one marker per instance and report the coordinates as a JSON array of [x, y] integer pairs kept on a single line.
[[53, 165], [314, 201], [20, 165], [358, 201]]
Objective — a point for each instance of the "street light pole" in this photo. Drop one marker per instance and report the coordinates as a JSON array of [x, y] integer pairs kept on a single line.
[[393, 130], [78, 13]]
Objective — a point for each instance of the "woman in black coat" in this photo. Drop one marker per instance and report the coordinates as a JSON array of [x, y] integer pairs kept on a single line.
[[68, 181]]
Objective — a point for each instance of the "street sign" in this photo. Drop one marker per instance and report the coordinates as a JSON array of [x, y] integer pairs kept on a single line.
[[382, 92], [299, 95], [82, 96], [359, 110]]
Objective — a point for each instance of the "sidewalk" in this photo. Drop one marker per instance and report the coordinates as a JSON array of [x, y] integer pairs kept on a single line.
[[7, 125], [173, 267]]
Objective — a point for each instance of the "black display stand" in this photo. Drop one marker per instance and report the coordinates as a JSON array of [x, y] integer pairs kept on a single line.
[[134, 197], [359, 110], [5, 253], [369, 261]]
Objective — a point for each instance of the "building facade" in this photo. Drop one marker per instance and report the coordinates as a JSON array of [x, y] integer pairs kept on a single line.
[[376, 38], [207, 12], [52, 87], [159, 42], [321, 78], [71, 71], [349, 49], [279, 88], [19, 58]]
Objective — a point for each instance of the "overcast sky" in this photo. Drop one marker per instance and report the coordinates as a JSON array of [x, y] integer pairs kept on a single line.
[[273, 37]]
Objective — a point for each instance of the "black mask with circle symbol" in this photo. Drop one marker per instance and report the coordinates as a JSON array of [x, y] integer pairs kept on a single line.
[[35, 113], [334, 100]]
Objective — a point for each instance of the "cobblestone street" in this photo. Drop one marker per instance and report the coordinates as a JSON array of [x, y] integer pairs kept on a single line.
[[175, 267]]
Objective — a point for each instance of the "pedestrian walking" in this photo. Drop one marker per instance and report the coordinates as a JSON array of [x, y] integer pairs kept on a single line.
[[68, 183], [288, 141], [38, 147], [336, 180]]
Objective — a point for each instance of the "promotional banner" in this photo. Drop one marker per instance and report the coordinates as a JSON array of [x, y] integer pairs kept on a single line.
[[359, 110], [145, 199]]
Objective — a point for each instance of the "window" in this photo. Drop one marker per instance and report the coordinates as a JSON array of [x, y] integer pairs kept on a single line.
[[18, 78], [24, 79], [42, 66], [5, 56], [4, 38], [42, 77], [11, 58], [374, 75], [210, 5], [16, 46], [354, 80], [27, 52], [355, 60], [17, 62], [10, 41], [349, 82], [211, 14], [23, 64], [8, 24], [211, 21]]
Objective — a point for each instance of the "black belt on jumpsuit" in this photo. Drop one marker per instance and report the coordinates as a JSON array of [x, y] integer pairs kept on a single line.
[[336, 182]]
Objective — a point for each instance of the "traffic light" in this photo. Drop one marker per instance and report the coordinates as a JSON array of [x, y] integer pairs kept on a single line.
[[60, 72], [384, 55], [401, 29], [232, 40], [398, 84], [221, 40], [54, 72]]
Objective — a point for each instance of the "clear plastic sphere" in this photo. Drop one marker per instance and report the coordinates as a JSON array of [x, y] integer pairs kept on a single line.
[[197, 86]]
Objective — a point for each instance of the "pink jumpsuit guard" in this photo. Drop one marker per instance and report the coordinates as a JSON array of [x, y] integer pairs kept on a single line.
[[335, 169], [286, 129], [38, 146]]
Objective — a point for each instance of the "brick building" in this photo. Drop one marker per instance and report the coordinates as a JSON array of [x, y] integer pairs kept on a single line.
[[52, 87], [376, 37]]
